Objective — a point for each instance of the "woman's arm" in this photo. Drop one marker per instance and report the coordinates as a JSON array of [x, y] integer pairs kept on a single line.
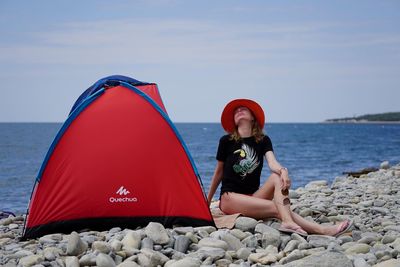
[[216, 179], [277, 168]]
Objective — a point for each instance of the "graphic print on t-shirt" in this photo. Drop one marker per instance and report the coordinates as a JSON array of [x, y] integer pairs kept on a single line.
[[247, 161]]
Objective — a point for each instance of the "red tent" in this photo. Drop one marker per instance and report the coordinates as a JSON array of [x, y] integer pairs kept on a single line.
[[118, 160]]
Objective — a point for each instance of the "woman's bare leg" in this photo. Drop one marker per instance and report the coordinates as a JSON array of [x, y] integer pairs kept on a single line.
[[271, 189], [315, 228], [248, 206]]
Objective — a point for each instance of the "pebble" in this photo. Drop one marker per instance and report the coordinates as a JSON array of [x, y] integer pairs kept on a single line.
[[131, 240], [358, 249], [213, 243], [75, 245], [245, 223], [182, 243], [157, 233], [103, 260]]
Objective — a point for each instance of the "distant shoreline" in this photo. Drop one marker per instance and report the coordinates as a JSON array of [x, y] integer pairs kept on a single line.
[[361, 122]]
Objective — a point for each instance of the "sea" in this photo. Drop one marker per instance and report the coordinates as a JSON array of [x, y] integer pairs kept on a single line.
[[311, 151]]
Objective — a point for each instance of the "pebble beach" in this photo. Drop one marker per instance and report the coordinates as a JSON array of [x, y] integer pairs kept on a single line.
[[371, 201]]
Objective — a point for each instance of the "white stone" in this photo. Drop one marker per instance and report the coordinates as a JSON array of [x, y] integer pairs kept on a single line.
[[385, 165], [131, 240], [71, 261], [75, 245], [213, 243], [30, 260], [128, 264], [245, 223], [157, 233], [185, 262], [103, 260], [358, 249]]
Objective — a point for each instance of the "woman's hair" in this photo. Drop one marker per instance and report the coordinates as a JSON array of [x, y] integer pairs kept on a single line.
[[256, 131]]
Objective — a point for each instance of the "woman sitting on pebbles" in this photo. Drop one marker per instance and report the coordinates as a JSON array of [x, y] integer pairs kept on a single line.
[[239, 163]]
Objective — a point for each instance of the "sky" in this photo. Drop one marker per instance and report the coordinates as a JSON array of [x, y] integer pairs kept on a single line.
[[302, 61]]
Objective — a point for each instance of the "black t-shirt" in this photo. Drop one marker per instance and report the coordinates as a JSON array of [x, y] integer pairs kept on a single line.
[[243, 162]]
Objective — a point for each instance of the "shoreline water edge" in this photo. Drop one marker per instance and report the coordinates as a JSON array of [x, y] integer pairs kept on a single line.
[[371, 201]]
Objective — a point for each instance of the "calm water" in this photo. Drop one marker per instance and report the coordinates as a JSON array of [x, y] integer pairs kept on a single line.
[[310, 151]]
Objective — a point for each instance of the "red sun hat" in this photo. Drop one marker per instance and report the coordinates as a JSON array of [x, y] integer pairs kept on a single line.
[[227, 119]]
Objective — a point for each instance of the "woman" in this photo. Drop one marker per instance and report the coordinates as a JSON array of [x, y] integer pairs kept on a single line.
[[239, 162]]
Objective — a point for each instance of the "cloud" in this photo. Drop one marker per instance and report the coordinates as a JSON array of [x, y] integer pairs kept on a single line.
[[172, 41]]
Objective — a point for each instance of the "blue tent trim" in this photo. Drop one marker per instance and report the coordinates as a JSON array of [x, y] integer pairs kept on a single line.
[[112, 80]]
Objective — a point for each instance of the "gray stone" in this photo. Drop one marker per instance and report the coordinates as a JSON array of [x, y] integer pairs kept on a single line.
[[298, 237], [320, 240], [214, 243], [157, 233], [358, 249], [395, 228], [50, 239], [75, 245], [6, 221], [360, 262], [233, 242], [243, 253], [366, 240], [262, 228], [116, 245], [101, 246], [303, 246], [293, 256], [103, 260], [250, 241], [30, 260], [71, 261], [263, 257], [385, 165], [293, 194], [192, 238], [306, 212], [292, 245], [245, 223], [186, 262], [128, 264], [203, 234], [131, 240], [88, 260], [12, 226], [389, 263], [51, 253], [271, 237], [208, 229], [388, 239], [156, 258], [20, 254], [182, 243], [238, 234], [383, 211], [184, 230], [147, 243], [208, 252], [329, 259], [344, 239], [379, 203], [223, 263]]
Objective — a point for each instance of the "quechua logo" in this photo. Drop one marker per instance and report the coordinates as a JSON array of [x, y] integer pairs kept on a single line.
[[122, 196]]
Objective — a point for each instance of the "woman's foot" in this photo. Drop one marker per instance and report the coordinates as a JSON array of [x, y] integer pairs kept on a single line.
[[292, 227], [338, 229]]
